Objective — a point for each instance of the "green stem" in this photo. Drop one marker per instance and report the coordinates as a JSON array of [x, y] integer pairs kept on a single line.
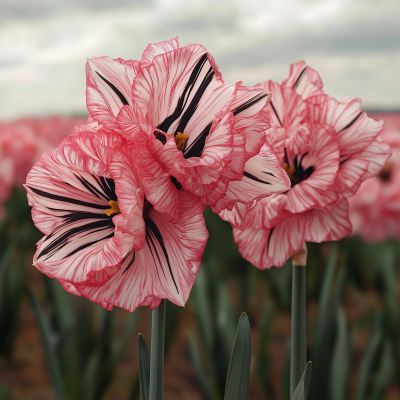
[[298, 357], [157, 352]]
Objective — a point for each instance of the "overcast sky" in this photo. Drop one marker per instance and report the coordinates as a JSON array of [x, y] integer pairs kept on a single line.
[[353, 44]]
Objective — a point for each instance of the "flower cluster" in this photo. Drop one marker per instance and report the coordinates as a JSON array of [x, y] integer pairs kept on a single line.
[[375, 208], [21, 143], [328, 148], [121, 202]]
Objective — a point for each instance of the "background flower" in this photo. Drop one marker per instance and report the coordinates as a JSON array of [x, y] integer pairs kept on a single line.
[[21, 143], [375, 208], [328, 148]]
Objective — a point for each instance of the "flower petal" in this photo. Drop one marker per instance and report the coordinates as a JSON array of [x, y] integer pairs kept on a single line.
[[108, 88], [355, 131], [166, 265], [305, 80], [154, 49], [263, 176], [323, 157], [69, 192], [272, 247]]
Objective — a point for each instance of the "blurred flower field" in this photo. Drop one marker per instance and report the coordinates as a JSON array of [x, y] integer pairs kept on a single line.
[[58, 346]]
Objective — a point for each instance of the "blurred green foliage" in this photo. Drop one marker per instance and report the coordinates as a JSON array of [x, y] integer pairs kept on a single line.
[[355, 348]]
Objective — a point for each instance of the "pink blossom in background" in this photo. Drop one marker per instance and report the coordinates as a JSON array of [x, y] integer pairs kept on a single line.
[[375, 208], [328, 148], [23, 140]]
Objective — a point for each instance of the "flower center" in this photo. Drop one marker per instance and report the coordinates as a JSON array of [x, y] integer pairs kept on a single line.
[[114, 208], [386, 171], [296, 172], [180, 140]]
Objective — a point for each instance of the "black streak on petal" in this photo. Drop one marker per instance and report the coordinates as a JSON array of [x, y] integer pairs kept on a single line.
[[160, 136], [277, 116], [351, 122], [114, 88], [152, 231], [299, 77], [254, 178]]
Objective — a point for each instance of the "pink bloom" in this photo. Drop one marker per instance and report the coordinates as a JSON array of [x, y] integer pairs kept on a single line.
[[375, 208], [103, 239], [191, 129], [21, 143], [328, 148]]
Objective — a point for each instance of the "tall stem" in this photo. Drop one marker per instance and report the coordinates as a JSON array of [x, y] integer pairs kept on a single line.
[[157, 352], [298, 356]]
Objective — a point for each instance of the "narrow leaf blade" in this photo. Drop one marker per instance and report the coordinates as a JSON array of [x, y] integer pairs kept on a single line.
[[303, 386], [237, 381], [144, 367]]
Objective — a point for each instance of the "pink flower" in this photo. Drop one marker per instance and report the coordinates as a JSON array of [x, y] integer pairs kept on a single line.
[[103, 239], [191, 129], [328, 148], [21, 143], [375, 208]]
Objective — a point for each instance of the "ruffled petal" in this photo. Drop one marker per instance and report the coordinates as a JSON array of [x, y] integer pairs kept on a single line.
[[286, 109], [159, 188], [263, 176], [166, 265], [69, 192], [323, 160], [305, 80], [155, 49], [355, 131], [272, 247], [362, 166], [181, 91], [108, 88]]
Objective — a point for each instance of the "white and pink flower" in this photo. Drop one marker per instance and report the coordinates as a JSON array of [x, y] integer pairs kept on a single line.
[[193, 130], [328, 148], [104, 240]]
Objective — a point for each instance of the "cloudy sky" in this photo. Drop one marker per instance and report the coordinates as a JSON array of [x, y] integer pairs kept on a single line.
[[353, 44]]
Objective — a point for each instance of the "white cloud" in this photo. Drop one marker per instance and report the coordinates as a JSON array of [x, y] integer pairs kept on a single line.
[[354, 44]]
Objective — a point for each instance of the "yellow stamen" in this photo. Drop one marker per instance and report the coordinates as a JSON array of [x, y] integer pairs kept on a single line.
[[290, 171], [114, 208], [180, 140]]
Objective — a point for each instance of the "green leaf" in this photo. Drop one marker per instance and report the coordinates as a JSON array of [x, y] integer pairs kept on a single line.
[[368, 360], [144, 367], [237, 381], [262, 364], [201, 299], [206, 386], [48, 347], [302, 388], [384, 372], [341, 359]]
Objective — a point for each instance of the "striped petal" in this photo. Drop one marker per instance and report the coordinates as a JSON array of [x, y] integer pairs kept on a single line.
[[305, 80], [108, 88], [166, 265], [181, 91], [263, 176], [355, 131], [265, 248], [155, 49], [70, 191]]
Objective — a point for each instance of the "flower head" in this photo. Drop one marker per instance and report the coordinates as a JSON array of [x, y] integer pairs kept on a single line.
[[192, 130], [375, 208], [328, 148], [104, 240]]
